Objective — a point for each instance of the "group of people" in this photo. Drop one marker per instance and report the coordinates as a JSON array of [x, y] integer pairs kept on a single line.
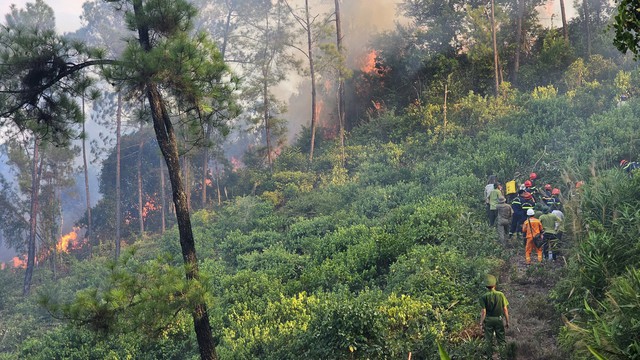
[[532, 213], [527, 212], [628, 166]]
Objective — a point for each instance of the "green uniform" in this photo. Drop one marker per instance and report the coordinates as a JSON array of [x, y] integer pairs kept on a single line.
[[493, 302], [493, 198], [549, 223]]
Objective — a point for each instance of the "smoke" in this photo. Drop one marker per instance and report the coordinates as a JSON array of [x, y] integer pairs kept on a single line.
[[362, 20], [550, 14], [6, 253]]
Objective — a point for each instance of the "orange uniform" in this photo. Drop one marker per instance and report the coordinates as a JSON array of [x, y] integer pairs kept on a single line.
[[530, 228]]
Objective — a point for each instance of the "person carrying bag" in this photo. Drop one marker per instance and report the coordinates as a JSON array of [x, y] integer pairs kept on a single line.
[[534, 233]]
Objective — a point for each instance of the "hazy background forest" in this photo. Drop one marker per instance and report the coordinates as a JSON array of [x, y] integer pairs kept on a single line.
[[329, 166]]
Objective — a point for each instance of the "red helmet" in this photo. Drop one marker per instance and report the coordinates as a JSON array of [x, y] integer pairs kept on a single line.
[[555, 191], [547, 187], [533, 176], [528, 183], [527, 195], [623, 162]]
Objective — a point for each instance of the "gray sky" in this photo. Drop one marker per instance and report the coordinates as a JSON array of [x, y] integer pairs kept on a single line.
[[67, 12]]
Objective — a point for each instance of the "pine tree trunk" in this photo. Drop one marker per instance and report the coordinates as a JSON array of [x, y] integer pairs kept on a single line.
[[516, 60], [86, 175], [168, 143], [163, 197], [587, 25], [495, 49], [118, 195], [218, 185], [169, 147], [265, 94], [565, 29], [227, 27], [341, 101], [139, 167], [33, 221], [205, 165], [312, 74], [187, 179]]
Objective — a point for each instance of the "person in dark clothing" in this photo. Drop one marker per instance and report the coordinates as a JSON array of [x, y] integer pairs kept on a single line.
[[503, 221], [629, 167], [554, 202], [493, 309], [530, 188], [550, 223], [545, 194], [519, 215]]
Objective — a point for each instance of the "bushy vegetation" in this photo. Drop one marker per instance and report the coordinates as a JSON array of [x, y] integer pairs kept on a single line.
[[384, 263]]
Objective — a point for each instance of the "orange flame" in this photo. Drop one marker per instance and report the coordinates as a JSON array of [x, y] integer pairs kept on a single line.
[[68, 241], [236, 164], [149, 207], [16, 262], [369, 63]]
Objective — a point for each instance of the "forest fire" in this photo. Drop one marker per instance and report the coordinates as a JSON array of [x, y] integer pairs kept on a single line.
[[69, 242], [369, 64], [236, 164], [148, 207], [17, 262]]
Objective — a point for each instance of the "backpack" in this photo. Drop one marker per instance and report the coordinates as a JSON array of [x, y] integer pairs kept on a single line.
[[511, 187], [538, 239]]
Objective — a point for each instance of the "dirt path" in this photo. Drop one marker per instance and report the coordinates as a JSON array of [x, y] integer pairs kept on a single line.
[[534, 321]]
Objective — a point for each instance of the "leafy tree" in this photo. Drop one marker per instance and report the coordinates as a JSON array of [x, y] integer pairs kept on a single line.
[[442, 22], [313, 27], [267, 33], [627, 27]]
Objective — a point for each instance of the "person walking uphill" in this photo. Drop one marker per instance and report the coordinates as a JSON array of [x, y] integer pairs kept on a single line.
[[494, 308], [549, 223], [487, 190], [531, 228], [493, 203], [505, 212]]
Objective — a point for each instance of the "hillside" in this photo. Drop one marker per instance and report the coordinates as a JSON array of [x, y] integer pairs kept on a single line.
[[376, 260]]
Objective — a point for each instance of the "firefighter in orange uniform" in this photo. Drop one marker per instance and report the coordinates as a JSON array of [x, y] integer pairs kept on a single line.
[[530, 228]]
